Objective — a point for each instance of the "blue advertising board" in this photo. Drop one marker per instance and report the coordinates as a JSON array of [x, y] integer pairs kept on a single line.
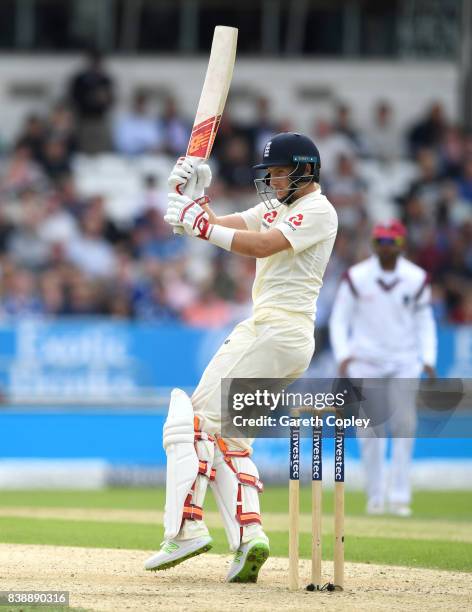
[[90, 358], [76, 360]]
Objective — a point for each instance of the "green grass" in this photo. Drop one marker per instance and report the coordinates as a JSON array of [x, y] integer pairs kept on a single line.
[[451, 505], [437, 553]]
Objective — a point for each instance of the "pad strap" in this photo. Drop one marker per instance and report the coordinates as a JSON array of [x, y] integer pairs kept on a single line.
[[201, 435], [245, 518], [192, 512], [245, 479], [206, 470], [250, 480]]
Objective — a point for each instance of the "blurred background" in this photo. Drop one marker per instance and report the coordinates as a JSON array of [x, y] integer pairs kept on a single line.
[[102, 309]]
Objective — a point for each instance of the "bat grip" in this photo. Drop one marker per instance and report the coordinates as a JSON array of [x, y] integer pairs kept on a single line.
[[188, 188]]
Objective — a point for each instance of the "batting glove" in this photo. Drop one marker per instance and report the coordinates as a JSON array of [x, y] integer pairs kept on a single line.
[[185, 213], [190, 176]]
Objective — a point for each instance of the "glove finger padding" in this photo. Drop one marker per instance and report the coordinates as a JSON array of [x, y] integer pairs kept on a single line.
[[203, 177], [190, 215], [178, 175], [177, 200], [172, 215], [172, 218], [177, 203], [184, 170], [182, 174], [188, 166]]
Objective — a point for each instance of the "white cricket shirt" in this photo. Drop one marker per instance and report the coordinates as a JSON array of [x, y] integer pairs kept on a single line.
[[288, 283], [384, 317]]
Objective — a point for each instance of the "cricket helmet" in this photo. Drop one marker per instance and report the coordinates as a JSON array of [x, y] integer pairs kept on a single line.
[[288, 149]]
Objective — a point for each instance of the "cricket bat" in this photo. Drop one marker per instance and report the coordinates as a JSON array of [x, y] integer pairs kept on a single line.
[[212, 99]]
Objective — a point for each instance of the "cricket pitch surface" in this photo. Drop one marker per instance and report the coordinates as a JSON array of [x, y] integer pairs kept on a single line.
[[113, 579]]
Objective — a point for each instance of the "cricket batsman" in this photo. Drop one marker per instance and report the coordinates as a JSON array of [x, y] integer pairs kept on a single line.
[[291, 232], [382, 327]]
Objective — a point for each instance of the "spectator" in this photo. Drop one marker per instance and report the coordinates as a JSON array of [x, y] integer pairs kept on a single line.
[[208, 311], [429, 131], [153, 239], [52, 294], [119, 306], [151, 197], [263, 127], [427, 186], [46, 219], [137, 131], [26, 247], [57, 226], [70, 198], [61, 127], [127, 271], [90, 252], [235, 164], [465, 181], [346, 192], [331, 145], [150, 303], [179, 291], [383, 139], [111, 231], [429, 253], [91, 93], [20, 297], [451, 151], [33, 136], [56, 161], [418, 220], [452, 209], [343, 125], [228, 131], [85, 297], [175, 130], [467, 144], [22, 172], [6, 230]]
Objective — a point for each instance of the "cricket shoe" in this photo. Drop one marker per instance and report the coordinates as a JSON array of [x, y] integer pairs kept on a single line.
[[174, 552], [402, 510], [248, 560]]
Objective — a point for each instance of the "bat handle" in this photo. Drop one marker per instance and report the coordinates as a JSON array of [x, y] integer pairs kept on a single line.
[[188, 188]]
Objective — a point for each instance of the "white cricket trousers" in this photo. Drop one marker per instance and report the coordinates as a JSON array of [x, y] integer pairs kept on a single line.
[[278, 349], [393, 484]]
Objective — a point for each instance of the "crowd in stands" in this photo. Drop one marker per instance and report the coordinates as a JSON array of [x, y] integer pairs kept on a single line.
[[62, 253]]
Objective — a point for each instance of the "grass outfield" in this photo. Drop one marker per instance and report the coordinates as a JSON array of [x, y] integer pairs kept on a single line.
[[433, 538], [450, 505]]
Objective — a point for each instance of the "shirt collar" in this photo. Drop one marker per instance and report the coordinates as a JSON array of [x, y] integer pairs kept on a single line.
[[312, 194], [379, 270]]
